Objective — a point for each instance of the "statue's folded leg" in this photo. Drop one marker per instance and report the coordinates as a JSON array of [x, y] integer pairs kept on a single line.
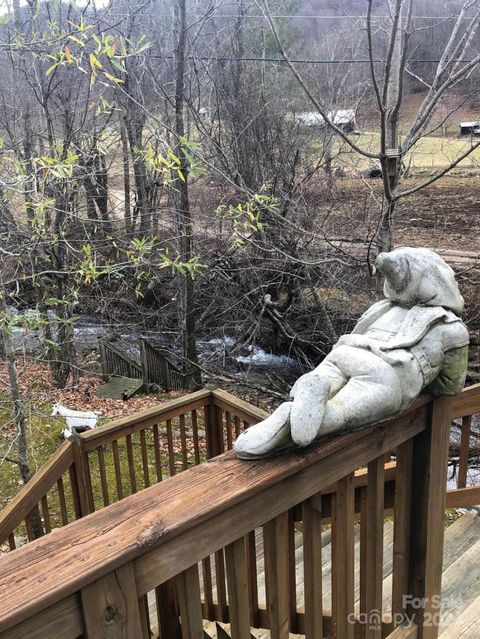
[[365, 399]]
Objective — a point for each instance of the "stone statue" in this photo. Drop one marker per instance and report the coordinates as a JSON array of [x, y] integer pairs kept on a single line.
[[412, 340]]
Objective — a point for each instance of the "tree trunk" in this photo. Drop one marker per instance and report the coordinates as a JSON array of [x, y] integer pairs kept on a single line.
[[184, 218], [15, 396], [126, 179]]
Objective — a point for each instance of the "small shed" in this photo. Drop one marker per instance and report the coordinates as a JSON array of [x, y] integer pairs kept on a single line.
[[343, 118], [470, 128]]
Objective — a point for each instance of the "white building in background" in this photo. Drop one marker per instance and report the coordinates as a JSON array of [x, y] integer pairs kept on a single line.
[[343, 118]]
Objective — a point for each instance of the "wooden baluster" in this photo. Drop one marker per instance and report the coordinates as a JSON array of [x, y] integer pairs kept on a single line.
[[75, 492], [110, 606], [237, 581], [183, 441], [464, 450], [144, 616], [11, 541], [46, 515], [277, 567], [171, 453], [131, 464], [219, 430], [363, 558], [228, 428], [312, 567], [29, 527], [374, 548], [103, 476], [208, 587], [237, 425], [158, 457], [82, 476], [167, 611], [222, 614], [88, 481], [117, 469], [252, 578], [195, 436], [343, 567], [401, 527], [143, 447], [207, 410], [188, 592], [214, 430], [292, 577], [61, 499]]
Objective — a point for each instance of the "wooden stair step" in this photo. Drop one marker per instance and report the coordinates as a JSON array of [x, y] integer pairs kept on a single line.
[[460, 585], [465, 626], [459, 537], [120, 388]]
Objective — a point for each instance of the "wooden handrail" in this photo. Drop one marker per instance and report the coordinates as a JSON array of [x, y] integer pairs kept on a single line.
[[467, 402], [169, 527], [31, 493]]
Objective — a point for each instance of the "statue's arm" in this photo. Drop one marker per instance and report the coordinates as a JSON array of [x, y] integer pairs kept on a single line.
[[451, 378], [371, 315]]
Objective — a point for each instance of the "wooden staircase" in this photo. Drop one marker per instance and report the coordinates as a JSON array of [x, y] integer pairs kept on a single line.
[[460, 613]]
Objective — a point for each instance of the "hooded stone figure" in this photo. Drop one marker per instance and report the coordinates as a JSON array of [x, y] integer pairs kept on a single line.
[[412, 340]]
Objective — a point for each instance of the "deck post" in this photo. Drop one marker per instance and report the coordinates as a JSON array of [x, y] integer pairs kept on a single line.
[[80, 470], [111, 607], [429, 482], [144, 361]]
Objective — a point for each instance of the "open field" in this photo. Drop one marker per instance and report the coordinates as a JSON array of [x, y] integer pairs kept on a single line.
[[429, 154]]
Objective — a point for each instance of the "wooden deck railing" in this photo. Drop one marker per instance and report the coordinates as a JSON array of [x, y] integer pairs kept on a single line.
[[117, 362], [116, 460], [150, 561], [131, 453], [159, 369]]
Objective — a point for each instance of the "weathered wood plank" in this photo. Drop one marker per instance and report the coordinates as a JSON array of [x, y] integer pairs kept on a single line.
[[110, 606], [221, 585], [63, 620], [343, 564], [312, 566], [250, 546], [188, 592], [238, 603], [374, 546], [429, 477], [401, 530], [276, 546], [117, 469], [467, 402], [404, 632]]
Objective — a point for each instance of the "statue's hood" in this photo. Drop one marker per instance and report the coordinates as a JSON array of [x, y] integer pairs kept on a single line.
[[419, 277]]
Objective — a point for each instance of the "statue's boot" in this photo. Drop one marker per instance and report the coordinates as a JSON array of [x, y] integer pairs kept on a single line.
[[311, 395], [266, 438]]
